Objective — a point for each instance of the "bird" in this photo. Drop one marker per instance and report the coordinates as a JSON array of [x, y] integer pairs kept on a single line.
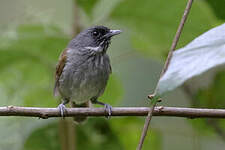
[[83, 70]]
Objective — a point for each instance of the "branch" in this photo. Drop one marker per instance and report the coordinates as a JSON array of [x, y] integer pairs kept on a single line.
[[173, 47], [116, 111]]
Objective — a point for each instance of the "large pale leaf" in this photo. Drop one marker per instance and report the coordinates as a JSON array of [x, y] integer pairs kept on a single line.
[[205, 52]]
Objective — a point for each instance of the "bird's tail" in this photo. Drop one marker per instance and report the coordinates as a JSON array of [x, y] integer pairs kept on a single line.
[[80, 119]]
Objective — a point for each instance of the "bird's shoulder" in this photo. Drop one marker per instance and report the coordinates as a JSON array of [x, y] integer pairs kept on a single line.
[[59, 69]]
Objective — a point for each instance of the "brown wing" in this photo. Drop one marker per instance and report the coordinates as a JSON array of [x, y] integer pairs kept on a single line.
[[59, 70]]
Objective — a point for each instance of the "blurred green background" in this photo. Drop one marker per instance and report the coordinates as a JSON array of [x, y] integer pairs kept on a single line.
[[32, 35]]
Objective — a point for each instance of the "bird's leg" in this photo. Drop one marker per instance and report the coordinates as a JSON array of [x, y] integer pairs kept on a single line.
[[107, 107], [62, 107]]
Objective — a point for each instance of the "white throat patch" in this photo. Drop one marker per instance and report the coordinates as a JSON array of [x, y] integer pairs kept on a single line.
[[95, 50]]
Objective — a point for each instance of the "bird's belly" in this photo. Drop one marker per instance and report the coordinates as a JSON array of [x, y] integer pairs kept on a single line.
[[85, 82], [91, 85]]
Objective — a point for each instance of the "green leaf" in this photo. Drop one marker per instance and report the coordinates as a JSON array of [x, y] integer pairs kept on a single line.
[[202, 54], [218, 8]]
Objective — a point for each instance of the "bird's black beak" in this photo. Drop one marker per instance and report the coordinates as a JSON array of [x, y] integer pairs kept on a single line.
[[112, 33]]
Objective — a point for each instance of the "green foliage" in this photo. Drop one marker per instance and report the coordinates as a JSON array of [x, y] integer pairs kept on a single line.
[[94, 135], [44, 138], [218, 8], [211, 97], [28, 56], [32, 57], [87, 5], [154, 23], [27, 64], [98, 134], [129, 131], [214, 95]]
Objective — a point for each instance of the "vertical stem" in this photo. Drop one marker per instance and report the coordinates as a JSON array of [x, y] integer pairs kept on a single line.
[[67, 127], [67, 134], [177, 36], [63, 134], [71, 134], [145, 129], [147, 123], [76, 25], [173, 47]]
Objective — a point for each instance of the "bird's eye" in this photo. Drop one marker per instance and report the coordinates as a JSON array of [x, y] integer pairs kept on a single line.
[[95, 33]]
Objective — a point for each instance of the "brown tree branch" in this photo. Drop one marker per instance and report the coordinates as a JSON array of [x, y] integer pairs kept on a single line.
[[116, 111]]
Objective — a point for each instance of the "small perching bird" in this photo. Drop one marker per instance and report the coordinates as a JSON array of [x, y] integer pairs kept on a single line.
[[83, 69]]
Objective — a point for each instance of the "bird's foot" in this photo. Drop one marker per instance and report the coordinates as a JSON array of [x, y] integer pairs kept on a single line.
[[62, 109], [108, 109]]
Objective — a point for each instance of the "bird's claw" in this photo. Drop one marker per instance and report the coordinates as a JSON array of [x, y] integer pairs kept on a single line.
[[62, 109], [108, 109]]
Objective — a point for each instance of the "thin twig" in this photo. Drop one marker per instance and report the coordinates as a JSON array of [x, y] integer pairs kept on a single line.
[[76, 23], [145, 129], [173, 47], [116, 111], [177, 36]]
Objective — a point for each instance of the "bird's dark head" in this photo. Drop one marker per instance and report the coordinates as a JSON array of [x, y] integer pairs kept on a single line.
[[96, 39]]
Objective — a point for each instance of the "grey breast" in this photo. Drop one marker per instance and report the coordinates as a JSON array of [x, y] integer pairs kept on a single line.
[[84, 76]]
